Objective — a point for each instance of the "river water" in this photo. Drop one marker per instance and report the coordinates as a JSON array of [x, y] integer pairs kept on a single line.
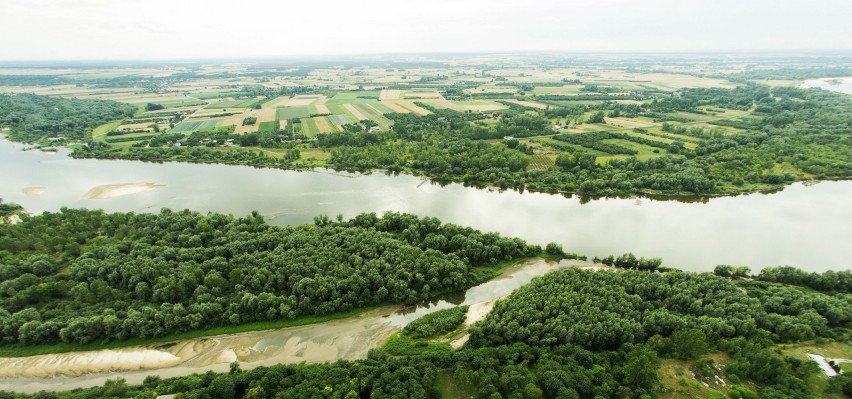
[[807, 226], [842, 85]]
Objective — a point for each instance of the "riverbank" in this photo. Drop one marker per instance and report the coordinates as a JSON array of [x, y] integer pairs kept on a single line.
[[344, 337]]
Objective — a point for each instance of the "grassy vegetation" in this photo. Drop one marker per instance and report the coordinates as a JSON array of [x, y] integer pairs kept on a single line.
[[99, 133], [403, 345], [268, 127], [309, 127], [292, 113]]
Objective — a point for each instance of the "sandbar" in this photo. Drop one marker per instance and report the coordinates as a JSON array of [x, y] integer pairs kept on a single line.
[[116, 190]]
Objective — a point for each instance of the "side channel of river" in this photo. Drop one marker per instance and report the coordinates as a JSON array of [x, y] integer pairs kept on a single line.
[[348, 339]]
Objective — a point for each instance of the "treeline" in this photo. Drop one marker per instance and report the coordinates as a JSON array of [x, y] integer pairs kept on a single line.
[[34, 118], [86, 276], [830, 281], [791, 73], [682, 315], [163, 151], [594, 140]]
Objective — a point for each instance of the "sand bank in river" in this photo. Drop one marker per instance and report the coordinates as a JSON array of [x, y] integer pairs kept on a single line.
[[80, 363], [117, 190], [34, 190]]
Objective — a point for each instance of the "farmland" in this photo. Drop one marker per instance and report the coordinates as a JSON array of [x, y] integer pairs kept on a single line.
[[552, 117]]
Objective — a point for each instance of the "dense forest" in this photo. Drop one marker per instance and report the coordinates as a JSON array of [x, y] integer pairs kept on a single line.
[[569, 334], [32, 118], [80, 276]]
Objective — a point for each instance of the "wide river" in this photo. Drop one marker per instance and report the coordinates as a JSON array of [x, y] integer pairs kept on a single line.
[[808, 226]]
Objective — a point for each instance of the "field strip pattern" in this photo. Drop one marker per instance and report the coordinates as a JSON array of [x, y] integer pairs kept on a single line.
[[355, 112]]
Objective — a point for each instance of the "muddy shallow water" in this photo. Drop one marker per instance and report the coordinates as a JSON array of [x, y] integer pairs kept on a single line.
[[348, 339]]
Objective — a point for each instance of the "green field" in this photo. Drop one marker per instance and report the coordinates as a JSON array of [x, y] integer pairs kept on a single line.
[[268, 127], [309, 127], [288, 113]]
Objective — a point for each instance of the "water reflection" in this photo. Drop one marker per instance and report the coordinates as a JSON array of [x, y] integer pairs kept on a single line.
[[803, 225]]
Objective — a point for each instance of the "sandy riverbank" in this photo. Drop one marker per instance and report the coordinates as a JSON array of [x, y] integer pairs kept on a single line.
[[116, 190]]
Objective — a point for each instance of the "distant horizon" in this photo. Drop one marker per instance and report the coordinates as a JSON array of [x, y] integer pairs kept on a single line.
[[83, 30], [839, 52]]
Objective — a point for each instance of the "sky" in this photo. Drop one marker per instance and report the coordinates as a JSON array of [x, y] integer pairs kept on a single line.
[[193, 29]]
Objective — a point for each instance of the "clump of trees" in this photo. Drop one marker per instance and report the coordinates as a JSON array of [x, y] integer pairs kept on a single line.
[[436, 323], [32, 118]]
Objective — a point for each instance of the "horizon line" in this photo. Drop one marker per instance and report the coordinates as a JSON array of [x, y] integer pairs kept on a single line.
[[346, 55]]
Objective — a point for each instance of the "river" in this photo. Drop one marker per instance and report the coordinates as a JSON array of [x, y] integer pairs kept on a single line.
[[807, 226], [841, 85]]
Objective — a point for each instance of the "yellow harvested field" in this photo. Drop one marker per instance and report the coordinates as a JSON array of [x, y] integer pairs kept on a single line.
[[484, 107], [232, 121], [321, 107], [395, 107], [240, 129], [265, 114], [492, 90], [262, 115], [301, 101], [409, 105], [443, 103], [323, 125], [421, 94], [531, 104], [390, 94], [355, 111], [627, 122], [214, 111]]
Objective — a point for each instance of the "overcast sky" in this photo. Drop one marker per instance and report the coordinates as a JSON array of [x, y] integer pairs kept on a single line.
[[181, 29]]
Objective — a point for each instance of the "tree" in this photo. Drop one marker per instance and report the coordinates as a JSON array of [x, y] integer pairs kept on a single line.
[[554, 249], [597, 117], [688, 344], [640, 368]]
